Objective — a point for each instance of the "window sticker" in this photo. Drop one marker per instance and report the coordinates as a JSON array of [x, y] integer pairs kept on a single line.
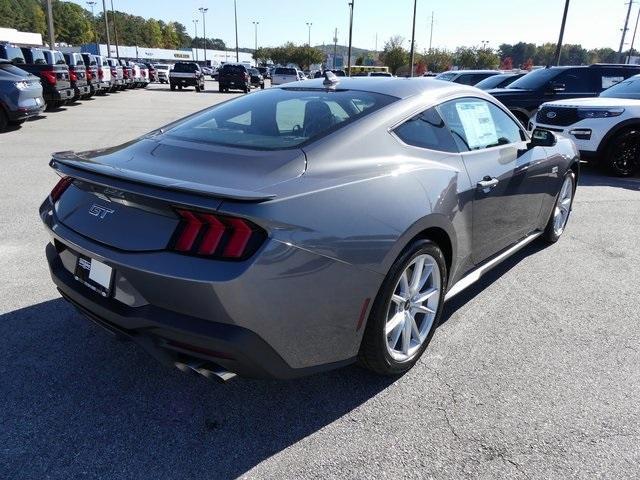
[[610, 81], [477, 123]]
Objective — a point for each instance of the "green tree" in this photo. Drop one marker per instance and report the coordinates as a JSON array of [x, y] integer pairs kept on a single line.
[[465, 57], [151, 33], [486, 58], [394, 55], [170, 36], [438, 60], [72, 23]]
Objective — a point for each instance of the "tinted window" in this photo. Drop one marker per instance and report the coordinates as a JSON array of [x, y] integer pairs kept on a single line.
[[185, 67], [14, 54], [577, 80], [279, 118], [536, 79], [37, 56], [626, 89], [471, 78], [427, 130], [286, 71], [233, 69], [58, 58], [492, 82], [478, 124]]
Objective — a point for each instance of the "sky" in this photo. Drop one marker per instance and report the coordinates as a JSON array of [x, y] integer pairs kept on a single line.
[[592, 23]]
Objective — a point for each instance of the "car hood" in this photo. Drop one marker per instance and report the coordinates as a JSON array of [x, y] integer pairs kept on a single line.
[[595, 102], [212, 170]]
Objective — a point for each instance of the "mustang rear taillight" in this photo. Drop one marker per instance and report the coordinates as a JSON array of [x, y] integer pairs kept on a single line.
[[60, 188], [217, 236]]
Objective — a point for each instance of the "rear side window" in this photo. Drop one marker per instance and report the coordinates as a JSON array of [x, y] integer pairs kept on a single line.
[[37, 56], [286, 71], [279, 118], [427, 130], [578, 80], [14, 54]]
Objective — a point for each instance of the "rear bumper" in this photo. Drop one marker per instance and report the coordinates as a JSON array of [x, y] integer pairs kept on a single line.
[[60, 95], [284, 313], [24, 113], [189, 82]]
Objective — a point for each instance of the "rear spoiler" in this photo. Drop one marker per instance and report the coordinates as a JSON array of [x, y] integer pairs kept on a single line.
[[68, 163]]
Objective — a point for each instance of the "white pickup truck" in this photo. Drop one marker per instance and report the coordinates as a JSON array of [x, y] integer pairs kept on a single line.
[[186, 74]]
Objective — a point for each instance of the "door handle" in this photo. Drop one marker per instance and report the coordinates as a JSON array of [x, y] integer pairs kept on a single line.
[[487, 183]]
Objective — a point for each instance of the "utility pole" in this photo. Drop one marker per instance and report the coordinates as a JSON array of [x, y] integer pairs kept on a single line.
[[235, 13], [413, 36], [556, 56], [52, 37], [633, 39], [93, 17], [106, 27], [431, 32], [376, 42], [115, 31], [204, 32], [335, 48], [624, 32], [350, 37], [309, 26], [255, 28], [195, 26]]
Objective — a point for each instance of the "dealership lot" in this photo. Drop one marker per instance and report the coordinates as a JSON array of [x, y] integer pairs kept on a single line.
[[534, 373]]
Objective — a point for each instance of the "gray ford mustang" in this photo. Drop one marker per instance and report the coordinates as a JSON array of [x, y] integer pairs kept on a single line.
[[304, 227]]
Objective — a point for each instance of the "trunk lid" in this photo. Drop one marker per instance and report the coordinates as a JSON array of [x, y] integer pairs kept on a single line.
[[125, 197]]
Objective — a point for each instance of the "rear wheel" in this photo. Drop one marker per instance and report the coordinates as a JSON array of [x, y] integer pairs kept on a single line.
[[406, 311], [179, 87], [220, 89], [561, 210], [623, 154], [197, 88]]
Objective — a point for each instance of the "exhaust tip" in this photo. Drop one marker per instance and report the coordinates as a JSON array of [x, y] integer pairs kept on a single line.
[[207, 370]]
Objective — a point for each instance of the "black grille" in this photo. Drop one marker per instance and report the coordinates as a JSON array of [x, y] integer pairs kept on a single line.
[[554, 115]]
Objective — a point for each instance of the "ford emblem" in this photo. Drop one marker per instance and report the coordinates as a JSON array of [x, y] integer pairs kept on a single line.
[[551, 114]]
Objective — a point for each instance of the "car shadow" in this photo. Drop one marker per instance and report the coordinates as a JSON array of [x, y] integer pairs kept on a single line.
[[594, 176], [77, 400]]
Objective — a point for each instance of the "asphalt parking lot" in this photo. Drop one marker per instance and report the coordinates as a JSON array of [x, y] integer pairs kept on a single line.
[[535, 372]]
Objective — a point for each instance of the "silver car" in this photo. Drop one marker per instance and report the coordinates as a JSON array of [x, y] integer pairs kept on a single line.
[[305, 227], [20, 95]]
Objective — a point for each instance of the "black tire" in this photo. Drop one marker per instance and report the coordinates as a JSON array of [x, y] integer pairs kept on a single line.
[[262, 86], [550, 234], [247, 89], [198, 88], [4, 120], [179, 87], [622, 156], [172, 87], [202, 87], [373, 353], [220, 89]]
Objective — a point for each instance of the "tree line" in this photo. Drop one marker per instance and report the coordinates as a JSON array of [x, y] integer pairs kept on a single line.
[[301, 55]]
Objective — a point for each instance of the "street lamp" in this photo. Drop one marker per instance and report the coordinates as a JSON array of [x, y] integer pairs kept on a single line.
[[91, 5], [93, 17], [309, 26], [195, 26], [350, 36], [204, 32], [235, 14], [106, 27], [115, 31], [255, 28]]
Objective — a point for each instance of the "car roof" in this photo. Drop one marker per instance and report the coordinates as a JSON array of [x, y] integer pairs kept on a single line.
[[395, 87], [472, 71]]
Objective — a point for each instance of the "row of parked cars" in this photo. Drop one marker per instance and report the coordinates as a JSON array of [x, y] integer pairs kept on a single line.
[[597, 106], [36, 79]]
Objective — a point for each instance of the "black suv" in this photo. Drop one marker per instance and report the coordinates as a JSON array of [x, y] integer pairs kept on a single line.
[[234, 76], [525, 95], [186, 74]]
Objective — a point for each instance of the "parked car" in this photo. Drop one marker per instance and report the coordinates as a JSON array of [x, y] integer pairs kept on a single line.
[[186, 74], [336, 72], [127, 74], [136, 73], [299, 230], [144, 75], [20, 95], [118, 72], [606, 129], [525, 95], [502, 80], [466, 77], [93, 80], [105, 80], [257, 80], [163, 72], [282, 75], [153, 73], [264, 71], [50, 68], [77, 75], [233, 76]]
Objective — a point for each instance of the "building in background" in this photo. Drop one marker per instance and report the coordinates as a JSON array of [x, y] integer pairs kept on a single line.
[[11, 35]]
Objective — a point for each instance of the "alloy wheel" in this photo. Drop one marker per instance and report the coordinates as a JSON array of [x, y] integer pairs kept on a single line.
[[563, 206], [413, 308]]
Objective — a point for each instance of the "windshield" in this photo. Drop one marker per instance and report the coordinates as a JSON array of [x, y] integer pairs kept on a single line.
[[629, 88], [279, 118], [536, 79], [14, 54], [446, 76], [185, 67], [286, 71], [491, 82]]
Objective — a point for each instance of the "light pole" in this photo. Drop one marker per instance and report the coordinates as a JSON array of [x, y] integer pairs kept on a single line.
[[350, 37], [115, 31], [431, 32], [335, 48], [106, 27], [624, 32], [52, 37], [195, 26], [235, 14], [309, 27], [413, 37], [255, 33], [204, 32], [93, 17], [556, 56], [309, 44], [633, 39]]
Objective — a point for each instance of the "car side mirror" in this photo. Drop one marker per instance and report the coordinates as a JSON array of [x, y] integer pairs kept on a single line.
[[542, 138]]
